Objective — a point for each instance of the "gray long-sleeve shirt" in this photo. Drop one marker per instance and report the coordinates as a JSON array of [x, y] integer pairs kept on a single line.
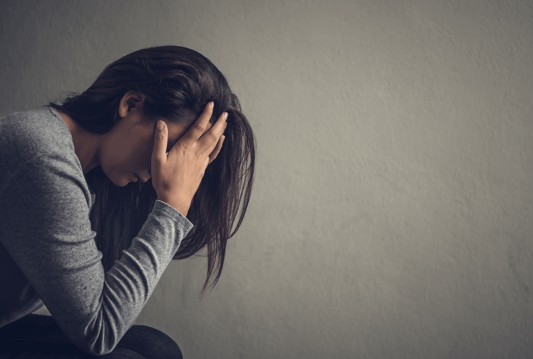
[[47, 249]]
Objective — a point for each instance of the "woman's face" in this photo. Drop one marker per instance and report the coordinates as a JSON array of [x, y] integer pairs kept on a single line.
[[126, 153]]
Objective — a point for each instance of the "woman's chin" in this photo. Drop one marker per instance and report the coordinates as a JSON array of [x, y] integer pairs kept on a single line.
[[123, 182]]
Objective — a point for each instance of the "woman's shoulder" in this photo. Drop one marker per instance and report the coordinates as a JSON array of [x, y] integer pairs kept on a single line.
[[26, 135], [33, 132]]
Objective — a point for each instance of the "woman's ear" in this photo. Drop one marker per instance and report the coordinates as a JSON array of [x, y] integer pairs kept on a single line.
[[131, 103], [130, 100]]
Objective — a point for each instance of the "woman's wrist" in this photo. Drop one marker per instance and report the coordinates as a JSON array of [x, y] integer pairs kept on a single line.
[[176, 204]]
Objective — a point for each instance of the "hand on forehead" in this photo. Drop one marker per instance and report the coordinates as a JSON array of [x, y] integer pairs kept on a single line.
[[175, 132]]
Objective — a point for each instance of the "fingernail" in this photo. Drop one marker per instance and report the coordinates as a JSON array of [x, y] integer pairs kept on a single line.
[[225, 115], [161, 125]]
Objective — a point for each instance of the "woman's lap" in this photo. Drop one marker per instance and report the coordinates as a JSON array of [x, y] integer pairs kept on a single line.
[[42, 337]]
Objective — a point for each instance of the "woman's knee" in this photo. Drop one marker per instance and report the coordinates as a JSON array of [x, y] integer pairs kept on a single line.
[[150, 343]]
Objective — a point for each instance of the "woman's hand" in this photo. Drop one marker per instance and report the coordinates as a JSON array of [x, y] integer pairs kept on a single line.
[[176, 176]]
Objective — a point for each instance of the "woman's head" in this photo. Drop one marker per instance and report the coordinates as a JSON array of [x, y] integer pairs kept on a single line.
[[124, 153], [173, 84]]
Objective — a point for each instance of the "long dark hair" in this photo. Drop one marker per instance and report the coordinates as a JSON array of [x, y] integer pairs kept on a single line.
[[175, 80]]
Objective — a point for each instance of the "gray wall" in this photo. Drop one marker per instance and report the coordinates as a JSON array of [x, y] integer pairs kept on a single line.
[[392, 210]]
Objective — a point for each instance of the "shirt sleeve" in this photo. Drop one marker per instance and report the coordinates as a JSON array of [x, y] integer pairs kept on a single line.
[[48, 234]]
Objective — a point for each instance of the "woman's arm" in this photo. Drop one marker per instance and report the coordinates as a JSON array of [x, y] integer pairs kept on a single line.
[[47, 231]]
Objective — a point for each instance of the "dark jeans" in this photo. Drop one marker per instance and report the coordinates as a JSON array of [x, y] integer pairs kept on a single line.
[[38, 336]]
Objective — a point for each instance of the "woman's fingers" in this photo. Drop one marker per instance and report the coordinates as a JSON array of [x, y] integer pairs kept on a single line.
[[197, 130], [216, 151], [208, 142], [159, 152], [203, 141]]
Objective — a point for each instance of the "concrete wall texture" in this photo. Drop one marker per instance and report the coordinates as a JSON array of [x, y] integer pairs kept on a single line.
[[392, 208]]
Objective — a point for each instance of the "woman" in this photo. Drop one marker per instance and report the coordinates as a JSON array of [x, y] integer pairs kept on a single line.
[[95, 201]]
